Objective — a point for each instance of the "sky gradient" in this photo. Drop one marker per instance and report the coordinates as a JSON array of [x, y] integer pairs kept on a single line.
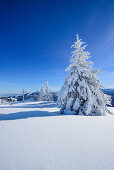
[[36, 36]]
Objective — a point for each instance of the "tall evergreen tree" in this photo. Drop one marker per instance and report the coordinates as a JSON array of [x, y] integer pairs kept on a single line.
[[81, 93], [48, 95], [42, 93]]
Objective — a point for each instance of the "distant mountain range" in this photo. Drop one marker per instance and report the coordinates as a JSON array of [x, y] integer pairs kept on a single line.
[[9, 94], [111, 93], [55, 94]]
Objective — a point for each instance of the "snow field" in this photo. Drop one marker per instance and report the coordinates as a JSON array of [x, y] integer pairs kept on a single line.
[[34, 136]]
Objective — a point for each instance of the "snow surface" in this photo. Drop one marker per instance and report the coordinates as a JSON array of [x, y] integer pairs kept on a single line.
[[34, 136]]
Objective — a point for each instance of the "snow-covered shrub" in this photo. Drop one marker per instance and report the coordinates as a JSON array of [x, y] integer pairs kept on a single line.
[[81, 92], [13, 99]]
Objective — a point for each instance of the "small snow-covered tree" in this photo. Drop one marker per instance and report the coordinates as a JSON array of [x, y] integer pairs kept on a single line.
[[48, 94], [81, 93], [42, 93]]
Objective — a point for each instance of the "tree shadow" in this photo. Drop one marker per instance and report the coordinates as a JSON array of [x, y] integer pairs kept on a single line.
[[27, 114], [33, 105]]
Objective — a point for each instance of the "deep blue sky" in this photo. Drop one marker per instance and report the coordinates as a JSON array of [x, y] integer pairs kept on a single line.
[[36, 36]]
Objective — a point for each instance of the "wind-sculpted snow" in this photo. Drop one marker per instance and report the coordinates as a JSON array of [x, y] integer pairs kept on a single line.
[[34, 136]]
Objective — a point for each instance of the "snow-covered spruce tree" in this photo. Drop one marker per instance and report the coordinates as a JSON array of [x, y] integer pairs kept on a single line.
[[48, 94], [42, 93], [81, 93]]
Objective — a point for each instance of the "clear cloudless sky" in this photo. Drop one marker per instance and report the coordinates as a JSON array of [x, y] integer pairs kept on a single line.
[[36, 36]]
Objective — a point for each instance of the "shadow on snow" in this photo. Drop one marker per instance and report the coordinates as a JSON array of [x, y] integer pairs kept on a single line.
[[29, 114], [33, 105]]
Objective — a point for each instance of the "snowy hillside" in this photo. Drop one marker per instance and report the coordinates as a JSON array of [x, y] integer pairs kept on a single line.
[[33, 136]]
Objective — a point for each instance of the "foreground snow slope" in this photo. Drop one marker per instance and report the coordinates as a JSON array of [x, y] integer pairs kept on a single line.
[[33, 136]]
